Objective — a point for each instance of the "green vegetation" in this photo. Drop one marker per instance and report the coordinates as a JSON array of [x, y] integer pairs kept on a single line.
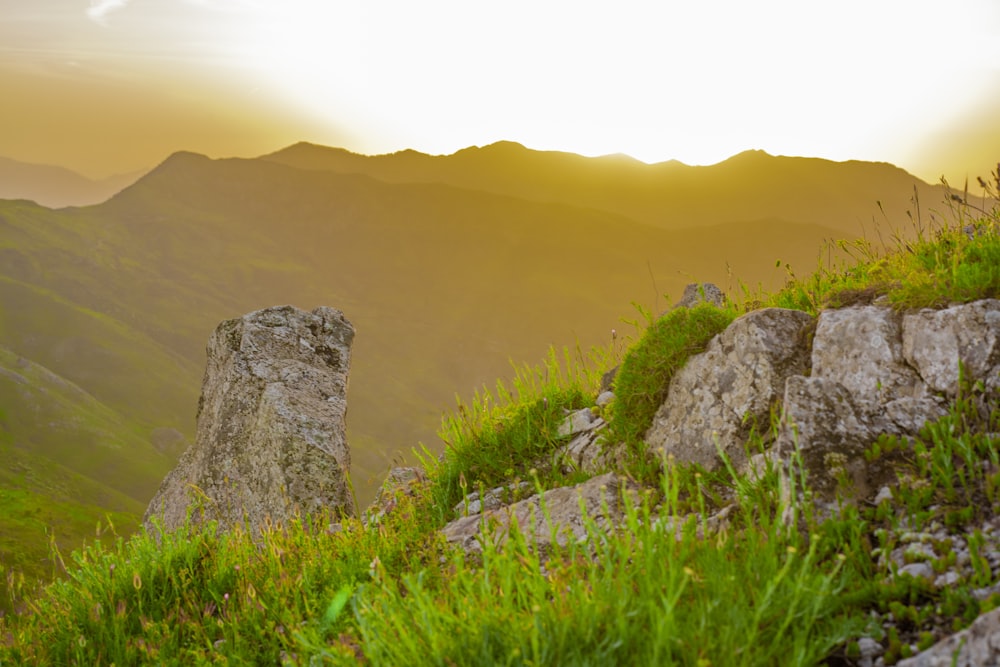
[[642, 382], [501, 437], [772, 584]]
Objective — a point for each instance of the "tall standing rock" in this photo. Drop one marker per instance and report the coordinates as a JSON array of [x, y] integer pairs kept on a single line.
[[271, 423]]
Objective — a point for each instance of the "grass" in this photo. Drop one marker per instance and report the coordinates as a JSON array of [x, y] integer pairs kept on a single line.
[[663, 588], [642, 381]]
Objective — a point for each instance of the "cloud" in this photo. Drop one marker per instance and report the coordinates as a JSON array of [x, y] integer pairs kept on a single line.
[[99, 9]]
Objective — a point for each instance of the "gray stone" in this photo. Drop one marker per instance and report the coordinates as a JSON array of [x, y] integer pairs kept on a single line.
[[884, 495], [909, 414], [862, 350], [719, 395], [936, 341], [494, 499], [976, 646], [560, 522], [869, 650], [696, 293], [947, 580], [830, 432], [918, 571], [271, 434], [589, 452], [576, 422], [604, 398]]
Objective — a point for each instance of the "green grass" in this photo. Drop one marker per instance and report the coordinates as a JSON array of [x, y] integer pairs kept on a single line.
[[662, 588], [505, 435], [641, 383]]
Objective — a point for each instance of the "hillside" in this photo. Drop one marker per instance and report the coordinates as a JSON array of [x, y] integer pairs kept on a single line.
[[446, 283], [791, 549]]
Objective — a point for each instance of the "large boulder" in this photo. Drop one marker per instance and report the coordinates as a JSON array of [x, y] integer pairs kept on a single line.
[[936, 342], [874, 372], [721, 394], [271, 432]]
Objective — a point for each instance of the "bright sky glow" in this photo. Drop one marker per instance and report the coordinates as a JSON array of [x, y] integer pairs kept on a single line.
[[889, 80]]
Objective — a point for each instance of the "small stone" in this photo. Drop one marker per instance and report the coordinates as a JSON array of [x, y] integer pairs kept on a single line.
[[605, 398], [949, 578], [884, 495], [919, 551], [869, 650], [918, 571], [581, 420]]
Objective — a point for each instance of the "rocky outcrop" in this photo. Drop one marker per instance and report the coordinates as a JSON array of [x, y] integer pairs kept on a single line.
[[976, 646], [696, 293], [937, 342], [555, 517], [719, 395], [271, 434], [875, 372]]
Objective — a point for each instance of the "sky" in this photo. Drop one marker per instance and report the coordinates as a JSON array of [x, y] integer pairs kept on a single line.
[[111, 86]]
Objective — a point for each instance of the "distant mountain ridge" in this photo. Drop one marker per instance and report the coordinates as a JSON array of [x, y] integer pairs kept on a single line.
[[449, 267], [56, 187], [671, 195]]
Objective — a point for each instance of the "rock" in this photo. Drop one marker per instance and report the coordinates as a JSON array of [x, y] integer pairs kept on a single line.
[[884, 495], [861, 387], [935, 342], [577, 422], [696, 293], [608, 380], [271, 433], [862, 349], [493, 499], [869, 650], [589, 452], [976, 646], [598, 499], [830, 432], [719, 395], [604, 398], [918, 571]]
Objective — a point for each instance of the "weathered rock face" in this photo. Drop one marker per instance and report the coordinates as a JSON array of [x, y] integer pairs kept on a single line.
[[271, 432], [976, 646], [877, 372], [721, 393], [696, 293], [935, 342], [561, 521]]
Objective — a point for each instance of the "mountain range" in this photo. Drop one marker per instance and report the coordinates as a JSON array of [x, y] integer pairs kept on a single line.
[[57, 187], [450, 267]]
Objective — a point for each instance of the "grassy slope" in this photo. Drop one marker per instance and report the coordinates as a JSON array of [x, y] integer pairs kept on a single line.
[[759, 593], [54, 484]]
